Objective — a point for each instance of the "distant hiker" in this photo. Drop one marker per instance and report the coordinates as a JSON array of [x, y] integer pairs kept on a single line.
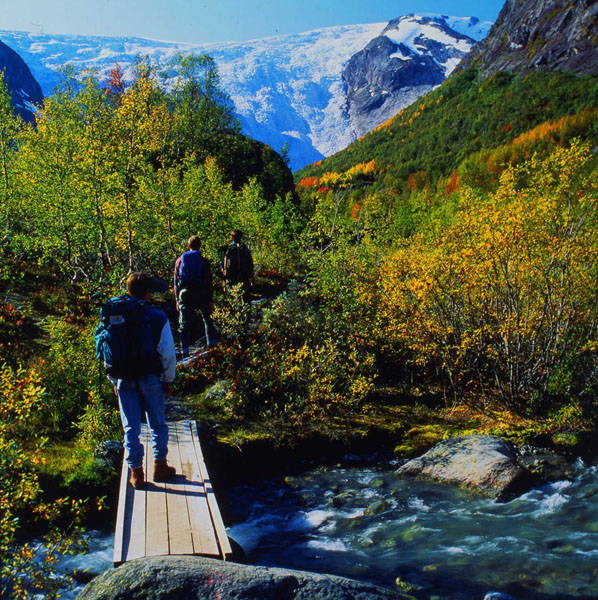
[[135, 342], [193, 292], [237, 264]]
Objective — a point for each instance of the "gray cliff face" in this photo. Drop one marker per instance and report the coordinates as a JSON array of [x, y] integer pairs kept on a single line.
[[24, 89], [378, 86], [531, 35], [387, 76]]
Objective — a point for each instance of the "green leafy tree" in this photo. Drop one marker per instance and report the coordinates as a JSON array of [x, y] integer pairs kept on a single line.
[[203, 109], [10, 127]]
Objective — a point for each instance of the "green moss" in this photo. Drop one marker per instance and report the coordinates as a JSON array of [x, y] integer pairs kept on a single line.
[[405, 586], [552, 14], [420, 438], [241, 436], [565, 440], [535, 46], [430, 568], [414, 533]]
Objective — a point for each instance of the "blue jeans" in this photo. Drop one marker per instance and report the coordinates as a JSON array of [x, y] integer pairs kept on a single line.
[[135, 397]]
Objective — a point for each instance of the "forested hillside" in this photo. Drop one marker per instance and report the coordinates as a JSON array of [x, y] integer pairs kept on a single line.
[[477, 208], [467, 115]]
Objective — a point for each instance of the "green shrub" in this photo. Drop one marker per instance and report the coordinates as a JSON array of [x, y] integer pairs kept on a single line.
[[69, 371]]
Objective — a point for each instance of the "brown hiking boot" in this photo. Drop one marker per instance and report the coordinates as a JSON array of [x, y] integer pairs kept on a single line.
[[162, 472], [137, 478]]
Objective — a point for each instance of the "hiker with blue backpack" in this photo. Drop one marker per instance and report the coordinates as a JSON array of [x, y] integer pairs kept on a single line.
[[135, 342], [193, 291]]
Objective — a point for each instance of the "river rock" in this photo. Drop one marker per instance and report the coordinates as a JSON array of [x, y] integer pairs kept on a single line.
[[109, 453], [196, 578], [485, 463], [342, 499], [376, 507], [546, 464], [497, 596]]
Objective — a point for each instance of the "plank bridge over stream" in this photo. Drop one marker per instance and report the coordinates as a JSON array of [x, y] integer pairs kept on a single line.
[[177, 517]]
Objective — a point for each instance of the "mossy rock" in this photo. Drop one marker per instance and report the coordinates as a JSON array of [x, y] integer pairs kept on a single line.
[[377, 483], [195, 578], [419, 439], [340, 500], [483, 463], [414, 533], [376, 508]]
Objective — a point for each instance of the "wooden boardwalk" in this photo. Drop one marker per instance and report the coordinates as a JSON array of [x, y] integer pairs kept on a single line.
[[178, 517]]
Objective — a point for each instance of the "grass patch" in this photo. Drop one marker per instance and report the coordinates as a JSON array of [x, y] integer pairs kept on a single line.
[[59, 459], [74, 468]]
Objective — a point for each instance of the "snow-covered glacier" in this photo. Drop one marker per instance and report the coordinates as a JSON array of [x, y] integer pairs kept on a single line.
[[286, 89]]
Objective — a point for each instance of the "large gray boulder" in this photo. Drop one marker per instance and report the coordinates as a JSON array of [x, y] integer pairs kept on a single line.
[[485, 463], [195, 578]]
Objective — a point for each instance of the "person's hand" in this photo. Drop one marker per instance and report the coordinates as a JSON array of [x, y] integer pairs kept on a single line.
[[168, 389]]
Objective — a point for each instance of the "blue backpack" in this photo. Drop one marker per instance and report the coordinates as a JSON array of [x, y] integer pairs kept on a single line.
[[125, 339], [191, 268]]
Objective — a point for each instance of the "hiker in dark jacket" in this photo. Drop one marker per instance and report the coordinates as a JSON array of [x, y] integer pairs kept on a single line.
[[193, 292], [142, 390], [237, 264]]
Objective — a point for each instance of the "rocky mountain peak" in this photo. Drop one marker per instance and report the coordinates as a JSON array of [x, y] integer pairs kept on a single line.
[[531, 35], [412, 55]]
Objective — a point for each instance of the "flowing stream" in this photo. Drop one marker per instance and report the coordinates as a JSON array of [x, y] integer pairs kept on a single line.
[[433, 540]]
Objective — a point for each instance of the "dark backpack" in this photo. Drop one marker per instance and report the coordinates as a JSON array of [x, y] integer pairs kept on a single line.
[[126, 340], [237, 263], [191, 270]]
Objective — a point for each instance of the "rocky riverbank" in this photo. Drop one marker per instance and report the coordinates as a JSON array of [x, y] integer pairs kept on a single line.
[[485, 464]]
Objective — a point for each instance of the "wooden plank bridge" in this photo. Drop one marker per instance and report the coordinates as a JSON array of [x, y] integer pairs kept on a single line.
[[177, 517]]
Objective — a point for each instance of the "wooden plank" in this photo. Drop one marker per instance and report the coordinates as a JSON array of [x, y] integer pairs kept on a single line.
[[180, 539], [177, 517], [202, 530], [226, 550], [156, 523], [117, 557], [135, 518]]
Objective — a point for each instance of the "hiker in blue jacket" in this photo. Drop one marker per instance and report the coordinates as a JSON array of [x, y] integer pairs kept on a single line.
[[193, 291], [135, 341]]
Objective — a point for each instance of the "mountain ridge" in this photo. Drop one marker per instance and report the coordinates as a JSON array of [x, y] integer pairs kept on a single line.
[[286, 89]]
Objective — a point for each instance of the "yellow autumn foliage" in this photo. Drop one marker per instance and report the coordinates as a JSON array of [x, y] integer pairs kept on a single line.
[[504, 297]]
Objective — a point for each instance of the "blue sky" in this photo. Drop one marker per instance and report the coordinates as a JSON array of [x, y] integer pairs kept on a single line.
[[217, 20]]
